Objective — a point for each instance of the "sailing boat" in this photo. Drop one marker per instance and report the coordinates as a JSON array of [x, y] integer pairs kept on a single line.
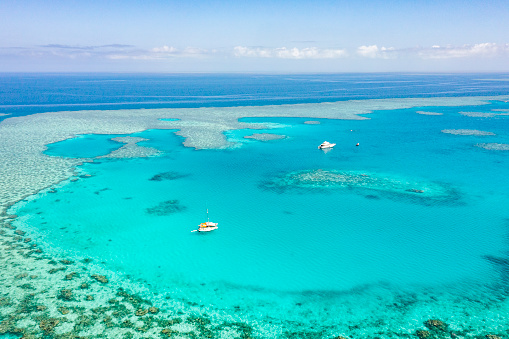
[[206, 226]]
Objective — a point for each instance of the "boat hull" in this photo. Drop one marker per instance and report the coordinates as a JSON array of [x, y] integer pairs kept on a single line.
[[207, 226], [326, 146], [207, 229]]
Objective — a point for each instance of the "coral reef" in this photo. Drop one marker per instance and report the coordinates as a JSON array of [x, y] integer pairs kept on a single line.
[[167, 176], [100, 278], [131, 149], [44, 296], [86, 306], [391, 187], [265, 136], [494, 146], [166, 208], [482, 114], [436, 325], [466, 132], [92, 306], [428, 113]]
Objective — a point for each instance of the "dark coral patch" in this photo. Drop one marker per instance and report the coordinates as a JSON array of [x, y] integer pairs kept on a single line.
[[166, 208], [371, 185], [167, 176]]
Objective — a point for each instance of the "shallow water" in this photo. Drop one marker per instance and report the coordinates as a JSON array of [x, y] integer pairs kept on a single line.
[[308, 253]]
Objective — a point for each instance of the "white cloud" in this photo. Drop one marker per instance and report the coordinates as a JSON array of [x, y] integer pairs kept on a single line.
[[70, 51], [111, 52], [172, 51], [374, 52], [481, 50], [368, 51], [100, 53], [486, 49], [164, 49], [289, 53], [163, 52]]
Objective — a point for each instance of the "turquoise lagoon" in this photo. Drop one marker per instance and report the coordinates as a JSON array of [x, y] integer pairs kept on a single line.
[[362, 241], [83, 146]]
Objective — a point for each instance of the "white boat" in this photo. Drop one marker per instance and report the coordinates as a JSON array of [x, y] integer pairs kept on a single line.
[[326, 144], [206, 226]]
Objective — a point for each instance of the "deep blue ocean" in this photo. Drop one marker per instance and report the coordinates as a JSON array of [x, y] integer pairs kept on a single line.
[[325, 241], [27, 93]]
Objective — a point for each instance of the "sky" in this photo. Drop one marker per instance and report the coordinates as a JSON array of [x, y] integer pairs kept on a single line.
[[254, 36]]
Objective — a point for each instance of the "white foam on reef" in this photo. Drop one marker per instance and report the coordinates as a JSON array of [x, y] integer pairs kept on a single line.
[[466, 132], [4, 114], [494, 146]]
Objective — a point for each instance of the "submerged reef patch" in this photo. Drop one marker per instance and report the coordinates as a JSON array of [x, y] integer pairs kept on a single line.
[[428, 113], [391, 187], [493, 146], [167, 176], [265, 136], [166, 208], [481, 114], [466, 132]]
